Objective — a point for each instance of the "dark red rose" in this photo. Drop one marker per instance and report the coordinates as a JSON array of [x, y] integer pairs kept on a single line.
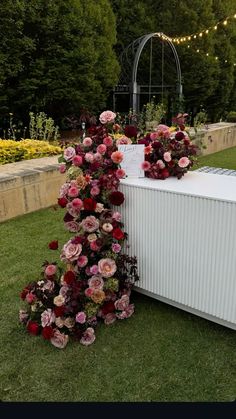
[[69, 277], [182, 127], [156, 145], [48, 332], [186, 142], [59, 311], [78, 240], [62, 202], [118, 234], [165, 173], [116, 198], [108, 307], [53, 245], [23, 293], [171, 163], [33, 328], [89, 204], [179, 136], [143, 141], [68, 217], [130, 131]]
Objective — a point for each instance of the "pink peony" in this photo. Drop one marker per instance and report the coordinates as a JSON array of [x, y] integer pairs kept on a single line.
[[59, 340], [107, 267], [50, 270], [89, 157], [95, 191], [80, 317], [183, 162], [145, 165], [120, 173], [102, 149], [72, 226], [47, 317], [108, 141], [107, 116], [96, 282], [69, 153], [87, 141], [160, 164], [117, 157], [82, 261], [116, 247], [167, 156], [77, 203], [122, 303], [71, 251], [90, 224], [88, 337], [77, 160]]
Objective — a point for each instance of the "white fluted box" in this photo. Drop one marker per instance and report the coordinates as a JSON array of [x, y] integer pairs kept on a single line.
[[183, 233]]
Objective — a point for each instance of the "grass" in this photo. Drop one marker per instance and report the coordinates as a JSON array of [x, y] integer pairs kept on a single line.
[[160, 354], [225, 159]]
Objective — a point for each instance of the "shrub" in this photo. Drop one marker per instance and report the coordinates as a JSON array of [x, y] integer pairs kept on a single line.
[[231, 117], [12, 151]]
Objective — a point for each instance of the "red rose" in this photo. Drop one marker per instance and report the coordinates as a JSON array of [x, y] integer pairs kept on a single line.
[[24, 293], [108, 307], [89, 204], [165, 173], [62, 202], [69, 277], [47, 332], [59, 311], [33, 327], [116, 198], [179, 136], [118, 234], [53, 245]]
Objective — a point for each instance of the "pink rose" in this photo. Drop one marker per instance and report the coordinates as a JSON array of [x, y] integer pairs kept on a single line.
[[94, 246], [50, 270], [183, 162], [123, 140], [99, 207], [89, 157], [69, 153], [154, 136], [116, 216], [97, 157], [120, 173], [80, 317], [117, 157], [110, 318], [167, 156], [116, 247], [77, 160], [107, 267], [122, 303], [107, 116], [82, 261], [47, 317], [77, 203], [59, 340], [108, 141], [73, 191], [72, 226], [95, 191], [87, 141], [102, 149], [160, 164], [88, 337], [90, 224], [88, 292], [126, 313], [96, 282], [94, 269], [71, 251], [62, 168]]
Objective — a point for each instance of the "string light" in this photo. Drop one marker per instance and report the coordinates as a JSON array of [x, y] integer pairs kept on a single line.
[[223, 22]]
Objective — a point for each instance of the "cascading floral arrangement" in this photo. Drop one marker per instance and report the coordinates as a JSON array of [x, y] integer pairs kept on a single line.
[[98, 275]]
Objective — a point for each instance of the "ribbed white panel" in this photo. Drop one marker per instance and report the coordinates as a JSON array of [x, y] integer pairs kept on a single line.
[[186, 249]]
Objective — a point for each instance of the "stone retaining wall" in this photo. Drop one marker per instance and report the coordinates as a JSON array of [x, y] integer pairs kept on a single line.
[[218, 137], [29, 186]]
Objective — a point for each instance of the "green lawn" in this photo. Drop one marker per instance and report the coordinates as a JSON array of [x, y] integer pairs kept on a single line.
[[159, 354], [225, 159]]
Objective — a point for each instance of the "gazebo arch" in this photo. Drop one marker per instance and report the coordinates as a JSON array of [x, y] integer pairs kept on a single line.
[[129, 61]]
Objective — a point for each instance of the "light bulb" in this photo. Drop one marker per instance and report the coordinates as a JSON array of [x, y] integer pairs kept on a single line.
[[225, 22], [200, 34], [207, 30], [215, 27]]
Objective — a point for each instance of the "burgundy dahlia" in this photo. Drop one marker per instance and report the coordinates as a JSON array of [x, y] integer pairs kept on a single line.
[[116, 198], [53, 245], [130, 131]]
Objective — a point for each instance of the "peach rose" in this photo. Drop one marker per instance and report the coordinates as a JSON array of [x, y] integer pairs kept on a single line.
[[107, 267], [59, 340], [117, 157]]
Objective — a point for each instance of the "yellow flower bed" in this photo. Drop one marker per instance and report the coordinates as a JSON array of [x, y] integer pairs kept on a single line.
[[12, 151]]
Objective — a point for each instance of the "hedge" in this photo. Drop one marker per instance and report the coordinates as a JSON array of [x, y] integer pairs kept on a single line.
[[13, 151]]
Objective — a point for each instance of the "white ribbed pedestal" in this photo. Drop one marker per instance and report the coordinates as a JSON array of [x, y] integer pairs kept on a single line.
[[183, 233]]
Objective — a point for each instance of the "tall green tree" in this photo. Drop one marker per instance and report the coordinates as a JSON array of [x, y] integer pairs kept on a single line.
[[59, 55]]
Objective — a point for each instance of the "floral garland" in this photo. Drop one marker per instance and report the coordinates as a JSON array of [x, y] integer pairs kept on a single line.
[[98, 277]]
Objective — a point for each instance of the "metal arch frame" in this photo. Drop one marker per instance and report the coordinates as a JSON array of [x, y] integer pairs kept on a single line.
[[142, 44]]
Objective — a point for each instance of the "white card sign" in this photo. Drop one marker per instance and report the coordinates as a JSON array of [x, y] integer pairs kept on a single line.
[[133, 158]]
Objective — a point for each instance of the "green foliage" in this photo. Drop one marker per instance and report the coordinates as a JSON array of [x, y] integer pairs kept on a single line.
[[42, 127], [12, 151], [231, 116]]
